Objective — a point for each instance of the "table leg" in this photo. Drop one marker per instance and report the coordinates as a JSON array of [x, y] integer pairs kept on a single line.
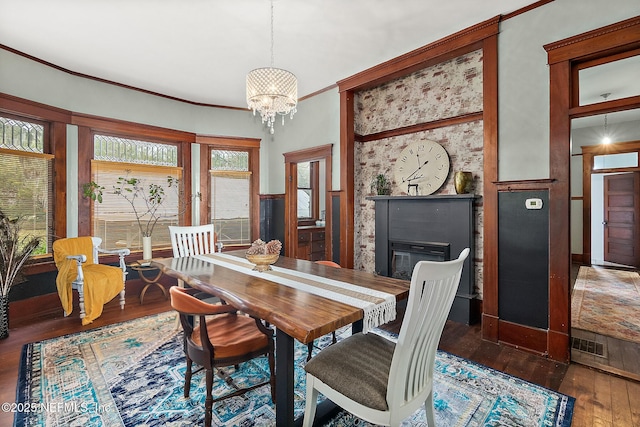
[[284, 379], [149, 282], [357, 326]]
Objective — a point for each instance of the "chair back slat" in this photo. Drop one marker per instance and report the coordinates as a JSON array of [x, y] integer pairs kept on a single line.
[[192, 240], [433, 288]]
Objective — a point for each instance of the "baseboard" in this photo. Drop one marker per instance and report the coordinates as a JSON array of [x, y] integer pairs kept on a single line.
[[49, 304], [523, 337]]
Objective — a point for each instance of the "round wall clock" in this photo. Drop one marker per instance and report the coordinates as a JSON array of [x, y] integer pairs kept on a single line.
[[422, 167]]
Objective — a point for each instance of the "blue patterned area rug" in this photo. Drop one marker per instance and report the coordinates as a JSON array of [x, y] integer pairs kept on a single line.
[[132, 374]]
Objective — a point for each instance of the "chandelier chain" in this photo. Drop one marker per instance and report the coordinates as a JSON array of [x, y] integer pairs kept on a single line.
[[272, 55]]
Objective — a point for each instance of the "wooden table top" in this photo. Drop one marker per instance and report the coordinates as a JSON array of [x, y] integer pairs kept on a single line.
[[301, 315]]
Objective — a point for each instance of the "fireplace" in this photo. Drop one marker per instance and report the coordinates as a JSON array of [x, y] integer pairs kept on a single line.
[[412, 228], [403, 256]]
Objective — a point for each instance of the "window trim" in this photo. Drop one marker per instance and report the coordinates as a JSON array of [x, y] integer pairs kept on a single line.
[[250, 145], [88, 126], [314, 182], [55, 120]]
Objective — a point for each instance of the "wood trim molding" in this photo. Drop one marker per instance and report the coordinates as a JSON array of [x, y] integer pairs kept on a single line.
[[490, 315], [250, 145], [205, 178], [563, 58], [271, 196], [308, 154], [35, 110], [420, 127], [103, 124], [291, 160], [524, 337], [347, 164], [525, 9], [318, 92], [615, 148], [228, 141], [613, 36], [525, 184]]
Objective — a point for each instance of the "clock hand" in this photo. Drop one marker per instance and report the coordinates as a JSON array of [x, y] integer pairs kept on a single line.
[[411, 175], [413, 178]]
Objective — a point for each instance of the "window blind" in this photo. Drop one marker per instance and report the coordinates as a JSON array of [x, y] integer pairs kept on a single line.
[[114, 219]]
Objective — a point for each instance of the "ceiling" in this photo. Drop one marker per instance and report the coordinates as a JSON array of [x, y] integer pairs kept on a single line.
[[202, 50]]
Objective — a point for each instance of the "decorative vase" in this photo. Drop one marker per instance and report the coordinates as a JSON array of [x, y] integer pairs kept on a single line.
[[147, 252], [262, 261], [463, 181], [4, 317]]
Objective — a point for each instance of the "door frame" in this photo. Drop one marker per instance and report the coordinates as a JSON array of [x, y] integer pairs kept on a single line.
[[563, 57], [588, 154], [291, 160]]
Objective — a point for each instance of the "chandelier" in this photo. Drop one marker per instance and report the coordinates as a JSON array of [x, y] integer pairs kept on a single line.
[[272, 91]]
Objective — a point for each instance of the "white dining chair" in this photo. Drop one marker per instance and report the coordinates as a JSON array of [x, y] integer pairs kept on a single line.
[[190, 240], [384, 382]]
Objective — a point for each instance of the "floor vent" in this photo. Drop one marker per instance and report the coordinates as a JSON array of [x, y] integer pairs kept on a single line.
[[587, 346]]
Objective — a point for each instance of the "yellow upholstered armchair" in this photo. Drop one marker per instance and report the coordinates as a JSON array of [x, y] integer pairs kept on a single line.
[[77, 261]]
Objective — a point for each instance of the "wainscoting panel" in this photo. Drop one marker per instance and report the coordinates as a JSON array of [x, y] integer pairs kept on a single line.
[[523, 251]]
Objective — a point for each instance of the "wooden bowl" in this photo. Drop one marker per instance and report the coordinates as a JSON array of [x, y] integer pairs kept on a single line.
[[262, 262]]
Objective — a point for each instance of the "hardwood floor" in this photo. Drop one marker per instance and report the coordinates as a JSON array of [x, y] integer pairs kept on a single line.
[[619, 357], [601, 399]]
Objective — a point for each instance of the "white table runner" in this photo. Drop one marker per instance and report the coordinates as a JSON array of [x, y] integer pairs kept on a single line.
[[379, 307]]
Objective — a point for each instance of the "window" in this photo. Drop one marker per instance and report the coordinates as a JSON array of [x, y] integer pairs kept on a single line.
[[150, 162], [26, 177], [305, 190], [231, 193]]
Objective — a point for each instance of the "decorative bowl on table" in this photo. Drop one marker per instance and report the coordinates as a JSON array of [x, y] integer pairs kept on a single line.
[[262, 261]]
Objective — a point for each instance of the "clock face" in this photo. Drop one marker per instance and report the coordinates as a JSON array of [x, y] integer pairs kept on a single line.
[[422, 167]]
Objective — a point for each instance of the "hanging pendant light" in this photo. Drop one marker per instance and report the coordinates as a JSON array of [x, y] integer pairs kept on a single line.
[[272, 91], [605, 138]]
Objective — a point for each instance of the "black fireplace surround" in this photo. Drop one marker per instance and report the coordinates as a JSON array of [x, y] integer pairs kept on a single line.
[[428, 227]]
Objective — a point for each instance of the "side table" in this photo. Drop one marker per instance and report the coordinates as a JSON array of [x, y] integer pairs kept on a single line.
[[148, 280]]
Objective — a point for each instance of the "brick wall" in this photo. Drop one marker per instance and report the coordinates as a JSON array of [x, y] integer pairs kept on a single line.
[[449, 89]]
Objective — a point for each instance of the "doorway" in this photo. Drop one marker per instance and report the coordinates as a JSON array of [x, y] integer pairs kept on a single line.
[[308, 207], [605, 332]]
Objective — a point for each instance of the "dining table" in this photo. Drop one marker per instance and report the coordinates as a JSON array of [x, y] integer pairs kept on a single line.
[[303, 313]]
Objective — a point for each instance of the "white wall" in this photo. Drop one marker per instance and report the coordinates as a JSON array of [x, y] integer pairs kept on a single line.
[[524, 77], [316, 122]]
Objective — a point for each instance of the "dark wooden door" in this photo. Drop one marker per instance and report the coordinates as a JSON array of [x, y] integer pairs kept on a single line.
[[621, 213]]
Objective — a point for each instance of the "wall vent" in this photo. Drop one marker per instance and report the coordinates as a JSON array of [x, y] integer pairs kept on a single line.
[[588, 346]]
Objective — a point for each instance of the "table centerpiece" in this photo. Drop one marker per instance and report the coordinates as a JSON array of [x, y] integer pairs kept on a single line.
[[264, 254]]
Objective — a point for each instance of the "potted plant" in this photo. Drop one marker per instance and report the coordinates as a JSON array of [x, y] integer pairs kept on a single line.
[[381, 185], [15, 249], [147, 212]]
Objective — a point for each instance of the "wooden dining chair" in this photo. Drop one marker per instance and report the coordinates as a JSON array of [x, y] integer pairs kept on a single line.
[[384, 382], [223, 337], [333, 334]]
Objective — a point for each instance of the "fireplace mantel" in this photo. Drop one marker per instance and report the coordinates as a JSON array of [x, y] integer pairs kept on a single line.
[[436, 218], [430, 197]]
